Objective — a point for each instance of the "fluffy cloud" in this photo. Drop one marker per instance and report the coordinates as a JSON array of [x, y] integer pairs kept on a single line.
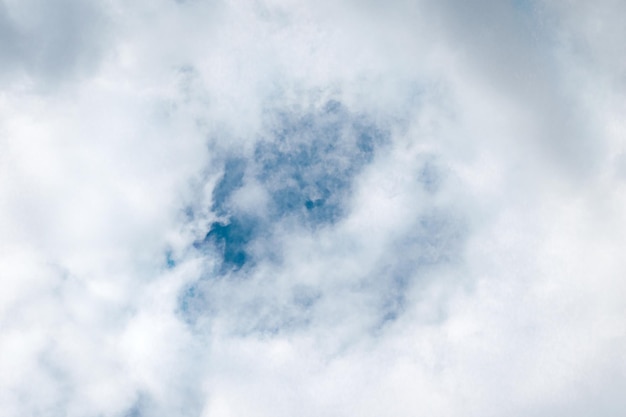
[[277, 208]]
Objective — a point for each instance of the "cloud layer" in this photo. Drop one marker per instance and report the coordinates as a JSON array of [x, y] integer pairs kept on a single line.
[[342, 208]]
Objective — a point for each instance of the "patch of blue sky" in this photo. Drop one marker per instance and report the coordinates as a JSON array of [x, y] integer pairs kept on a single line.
[[231, 239], [306, 165], [307, 169], [309, 166]]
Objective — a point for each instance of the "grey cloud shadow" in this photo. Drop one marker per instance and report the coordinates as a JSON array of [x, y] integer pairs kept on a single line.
[[513, 48], [52, 43]]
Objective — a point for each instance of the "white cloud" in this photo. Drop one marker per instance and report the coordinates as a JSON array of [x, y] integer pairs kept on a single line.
[[278, 208]]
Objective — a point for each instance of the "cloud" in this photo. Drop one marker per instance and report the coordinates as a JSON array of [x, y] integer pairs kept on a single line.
[[277, 208], [45, 44]]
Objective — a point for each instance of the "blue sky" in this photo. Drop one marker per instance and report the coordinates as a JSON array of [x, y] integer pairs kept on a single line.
[[332, 208]]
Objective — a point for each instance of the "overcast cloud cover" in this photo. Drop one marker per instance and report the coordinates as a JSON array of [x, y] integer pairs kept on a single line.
[[330, 208]]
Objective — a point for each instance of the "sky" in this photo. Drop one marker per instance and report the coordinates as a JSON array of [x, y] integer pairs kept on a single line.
[[217, 208]]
